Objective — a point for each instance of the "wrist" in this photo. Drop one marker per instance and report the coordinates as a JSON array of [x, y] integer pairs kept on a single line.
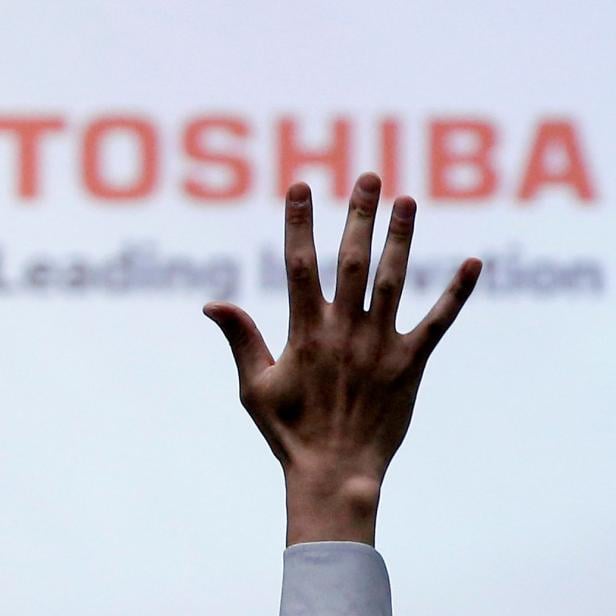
[[326, 507]]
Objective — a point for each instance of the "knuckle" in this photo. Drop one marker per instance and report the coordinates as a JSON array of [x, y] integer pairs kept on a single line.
[[459, 292], [239, 338], [399, 238], [248, 396], [368, 362], [342, 350], [399, 232], [307, 348], [390, 372], [353, 263], [297, 215], [355, 353], [300, 266], [363, 205], [387, 286]]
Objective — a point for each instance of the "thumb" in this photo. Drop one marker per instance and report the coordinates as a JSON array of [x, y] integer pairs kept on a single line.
[[249, 350]]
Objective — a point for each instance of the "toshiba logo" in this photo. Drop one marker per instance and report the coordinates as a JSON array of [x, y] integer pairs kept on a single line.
[[216, 164]]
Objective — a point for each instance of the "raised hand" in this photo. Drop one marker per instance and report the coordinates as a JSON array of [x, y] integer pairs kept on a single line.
[[337, 404]]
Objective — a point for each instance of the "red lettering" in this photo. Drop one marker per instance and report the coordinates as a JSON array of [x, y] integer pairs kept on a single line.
[[555, 158], [390, 157], [445, 159], [335, 157], [145, 178], [196, 147], [29, 132]]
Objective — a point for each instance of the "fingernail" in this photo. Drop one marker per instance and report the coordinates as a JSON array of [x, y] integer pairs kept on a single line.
[[404, 208], [473, 267], [298, 194], [209, 311], [369, 182]]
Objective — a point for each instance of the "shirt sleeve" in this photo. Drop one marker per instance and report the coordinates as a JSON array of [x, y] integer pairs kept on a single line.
[[334, 578]]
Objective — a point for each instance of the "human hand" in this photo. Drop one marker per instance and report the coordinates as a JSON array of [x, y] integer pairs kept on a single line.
[[336, 405]]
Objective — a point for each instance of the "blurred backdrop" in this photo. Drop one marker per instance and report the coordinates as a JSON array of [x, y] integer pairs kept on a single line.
[[144, 149]]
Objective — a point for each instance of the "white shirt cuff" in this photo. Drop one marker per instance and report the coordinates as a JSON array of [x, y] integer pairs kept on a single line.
[[334, 578]]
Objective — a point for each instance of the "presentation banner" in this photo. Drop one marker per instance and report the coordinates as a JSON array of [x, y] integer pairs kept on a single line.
[[145, 151]]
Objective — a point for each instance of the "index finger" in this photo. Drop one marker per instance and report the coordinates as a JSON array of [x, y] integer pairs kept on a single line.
[[305, 295]]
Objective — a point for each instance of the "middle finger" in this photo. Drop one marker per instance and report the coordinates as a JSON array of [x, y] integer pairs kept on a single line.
[[354, 254]]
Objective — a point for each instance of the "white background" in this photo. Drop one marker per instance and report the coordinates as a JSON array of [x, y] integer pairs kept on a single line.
[[131, 480]]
